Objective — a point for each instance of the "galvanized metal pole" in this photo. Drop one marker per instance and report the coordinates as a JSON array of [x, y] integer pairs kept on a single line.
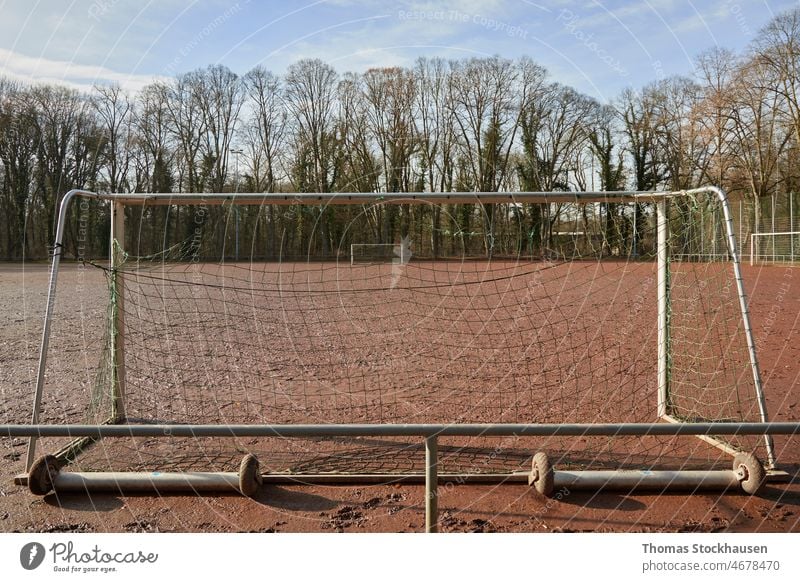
[[663, 305], [420, 430], [118, 316], [431, 484], [58, 249], [748, 330], [140, 482], [218, 482], [791, 226]]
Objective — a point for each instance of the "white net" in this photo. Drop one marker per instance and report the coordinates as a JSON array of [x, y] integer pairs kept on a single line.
[[507, 313]]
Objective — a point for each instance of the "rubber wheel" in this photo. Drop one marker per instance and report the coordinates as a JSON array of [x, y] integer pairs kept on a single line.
[[249, 476], [542, 476], [43, 474], [753, 471]]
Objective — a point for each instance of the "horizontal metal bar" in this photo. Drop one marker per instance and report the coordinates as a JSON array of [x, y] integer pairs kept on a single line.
[[139, 482], [392, 478], [142, 482], [644, 480], [290, 198], [404, 478], [422, 430]]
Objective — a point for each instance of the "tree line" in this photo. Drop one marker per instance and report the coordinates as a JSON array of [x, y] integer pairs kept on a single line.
[[477, 124]]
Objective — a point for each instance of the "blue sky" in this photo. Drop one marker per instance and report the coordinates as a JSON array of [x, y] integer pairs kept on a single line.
[[597, 46]]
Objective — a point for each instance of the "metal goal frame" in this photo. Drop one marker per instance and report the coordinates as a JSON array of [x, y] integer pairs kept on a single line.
[[669, 424]]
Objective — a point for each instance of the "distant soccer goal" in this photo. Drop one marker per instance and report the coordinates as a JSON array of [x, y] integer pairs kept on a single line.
[[380, 253], [776, 247], [591, 327]]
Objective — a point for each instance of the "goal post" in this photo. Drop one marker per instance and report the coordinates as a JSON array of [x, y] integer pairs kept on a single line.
[[627, 329], [662, 268], [117, 312]]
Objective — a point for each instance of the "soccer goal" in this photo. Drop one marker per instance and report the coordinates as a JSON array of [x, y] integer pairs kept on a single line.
[[775, 247], [399, 253], [607, 350]]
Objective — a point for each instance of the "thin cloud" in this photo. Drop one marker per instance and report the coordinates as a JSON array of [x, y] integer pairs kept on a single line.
[[82, 77]]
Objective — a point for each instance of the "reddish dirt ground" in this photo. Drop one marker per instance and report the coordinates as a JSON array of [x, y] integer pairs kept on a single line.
[[775, 306]]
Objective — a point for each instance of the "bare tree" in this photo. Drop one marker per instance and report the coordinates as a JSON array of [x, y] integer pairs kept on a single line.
[[389, 96], [220, 99], [19, 142], [58, 113], [606, 148], [760, 133], [485, 96], [361, 169], [485, 124], [186, 121], [113, 109], [604, 144], [435, 130], [312, 105], [153, 152], [639, 117], [716, 69], [777, 49], [264, 142], [552, 131], [264, 134], [683, 156]]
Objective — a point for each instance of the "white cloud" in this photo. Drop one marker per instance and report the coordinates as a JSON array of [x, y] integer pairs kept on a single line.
[[82, 77]]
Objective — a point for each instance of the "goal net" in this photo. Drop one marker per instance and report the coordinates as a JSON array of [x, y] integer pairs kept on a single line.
[[514, 309]]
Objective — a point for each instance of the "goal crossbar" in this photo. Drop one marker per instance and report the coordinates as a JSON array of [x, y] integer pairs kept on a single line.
[[349, 198]]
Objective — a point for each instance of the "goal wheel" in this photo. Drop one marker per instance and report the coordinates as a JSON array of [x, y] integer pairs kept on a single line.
[[249, 475], [43, 474], [542, 476], [750, 472]]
